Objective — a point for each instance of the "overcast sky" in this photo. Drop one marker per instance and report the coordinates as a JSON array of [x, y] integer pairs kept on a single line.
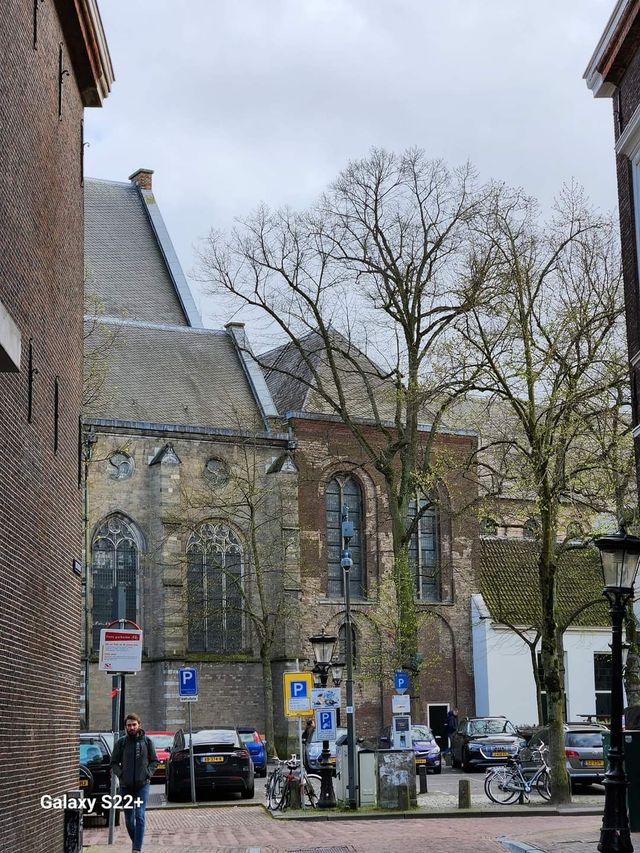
[[236, 102]]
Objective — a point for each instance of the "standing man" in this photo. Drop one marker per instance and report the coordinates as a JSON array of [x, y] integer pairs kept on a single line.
[[134, 760], [451, 726]]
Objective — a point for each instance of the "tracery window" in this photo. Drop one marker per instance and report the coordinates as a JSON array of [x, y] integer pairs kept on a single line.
[[215, 597], [424, 558], [115, 553], [344, 491]]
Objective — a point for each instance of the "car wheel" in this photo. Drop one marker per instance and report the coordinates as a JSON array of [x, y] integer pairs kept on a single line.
[[173, 795], [248, 793], [262, 773], [437, 769], [466, 766], [454, 760]]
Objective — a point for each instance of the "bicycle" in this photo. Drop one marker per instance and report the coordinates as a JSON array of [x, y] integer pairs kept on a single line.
[[504, 784], [284, 778]]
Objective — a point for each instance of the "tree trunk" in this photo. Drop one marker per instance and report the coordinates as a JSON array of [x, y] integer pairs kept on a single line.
[[536, 680], [267, 689], [547, 568]]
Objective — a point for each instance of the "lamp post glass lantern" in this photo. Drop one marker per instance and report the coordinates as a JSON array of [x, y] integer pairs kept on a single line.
[[323, 646], [619, 555], [337, 668]]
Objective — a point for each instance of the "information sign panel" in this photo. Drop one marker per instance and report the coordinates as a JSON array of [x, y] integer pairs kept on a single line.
[[120, 650]]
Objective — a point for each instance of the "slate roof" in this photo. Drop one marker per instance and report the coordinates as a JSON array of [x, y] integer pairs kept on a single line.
[[125, 268], [509, 583], [172, 375]]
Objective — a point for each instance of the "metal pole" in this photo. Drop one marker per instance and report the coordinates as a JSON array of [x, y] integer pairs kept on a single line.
[[191, 767], [116, 717], [614, 835], [351, 722]]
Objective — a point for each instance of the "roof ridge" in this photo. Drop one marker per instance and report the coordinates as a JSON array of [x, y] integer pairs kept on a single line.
[[146, 324]]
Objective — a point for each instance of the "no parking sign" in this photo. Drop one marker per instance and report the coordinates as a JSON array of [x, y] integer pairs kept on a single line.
[[326, 724]]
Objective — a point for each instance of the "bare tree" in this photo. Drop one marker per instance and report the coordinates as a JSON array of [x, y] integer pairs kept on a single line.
[[363, 288], [263, 596], [549, 348]]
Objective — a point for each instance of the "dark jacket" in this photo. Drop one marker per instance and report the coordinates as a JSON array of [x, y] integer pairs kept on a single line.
[[134, 760], [451, 724]]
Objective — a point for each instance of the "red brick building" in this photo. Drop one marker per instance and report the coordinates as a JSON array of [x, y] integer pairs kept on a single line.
[[614, 72], [53, 63]]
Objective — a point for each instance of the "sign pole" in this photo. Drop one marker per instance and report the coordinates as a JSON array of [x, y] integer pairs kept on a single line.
[[191, 767]]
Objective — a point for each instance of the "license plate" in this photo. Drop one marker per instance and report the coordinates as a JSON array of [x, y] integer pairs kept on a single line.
[[160, 765], [210, 759], [332, 761], [84, 783], [497, 754], [421, 760], [593, 762]]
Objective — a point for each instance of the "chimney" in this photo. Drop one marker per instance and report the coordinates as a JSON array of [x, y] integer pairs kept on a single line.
[[236, 329], [142, 177]]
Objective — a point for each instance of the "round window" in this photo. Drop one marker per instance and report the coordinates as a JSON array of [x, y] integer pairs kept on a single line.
[[217, 472], [121, 466]]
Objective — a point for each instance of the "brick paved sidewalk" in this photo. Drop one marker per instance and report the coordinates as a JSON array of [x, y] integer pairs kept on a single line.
[[581, 839], [251, 830]]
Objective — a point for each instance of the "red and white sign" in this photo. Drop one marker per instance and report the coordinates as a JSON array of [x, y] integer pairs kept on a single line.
[[120, 650]]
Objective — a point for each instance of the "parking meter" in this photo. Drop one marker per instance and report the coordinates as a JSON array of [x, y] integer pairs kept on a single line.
[[401, 732]]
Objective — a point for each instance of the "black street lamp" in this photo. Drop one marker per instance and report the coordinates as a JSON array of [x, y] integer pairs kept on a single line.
[[323, 646], [347, 563], [619, 554]]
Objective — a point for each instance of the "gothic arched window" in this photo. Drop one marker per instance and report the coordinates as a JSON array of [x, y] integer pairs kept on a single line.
[[344, 492], [215, 595], [342, 646], [424, 557], [115, 553]]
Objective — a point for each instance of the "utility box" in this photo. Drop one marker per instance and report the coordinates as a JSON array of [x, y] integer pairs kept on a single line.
[[396, 772], [367, 778], [631, 741], [341, 779]]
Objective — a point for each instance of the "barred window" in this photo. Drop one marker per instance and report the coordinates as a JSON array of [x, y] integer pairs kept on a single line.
[[344, 492], [424, 558], [115, 562], [214, 590], [602, 679]]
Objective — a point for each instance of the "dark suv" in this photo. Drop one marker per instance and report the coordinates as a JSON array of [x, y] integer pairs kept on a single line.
[[95, 770], [484, 741], [583, 750]]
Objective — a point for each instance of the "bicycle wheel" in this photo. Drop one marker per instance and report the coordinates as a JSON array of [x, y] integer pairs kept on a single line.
[[276, 791], [312, 789], [543, 785], [503, 786]]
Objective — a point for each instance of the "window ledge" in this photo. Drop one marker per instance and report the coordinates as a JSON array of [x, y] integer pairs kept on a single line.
[[367, 602]]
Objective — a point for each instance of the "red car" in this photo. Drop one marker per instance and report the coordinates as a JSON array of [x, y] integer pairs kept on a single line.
[[162, 742]]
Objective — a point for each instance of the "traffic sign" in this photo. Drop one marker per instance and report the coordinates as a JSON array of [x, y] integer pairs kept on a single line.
[[296, 690], [326, 724], [401, 704], [188, 684], [400, 681], [120, 650]]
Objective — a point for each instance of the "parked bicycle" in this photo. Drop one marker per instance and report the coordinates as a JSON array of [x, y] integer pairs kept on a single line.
[[284, 779], [520, 776]]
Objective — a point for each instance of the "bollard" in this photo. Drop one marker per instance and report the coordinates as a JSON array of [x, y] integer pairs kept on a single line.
[[464, 794], [422, 773]]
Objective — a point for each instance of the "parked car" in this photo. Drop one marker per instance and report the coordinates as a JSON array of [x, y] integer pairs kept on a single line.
[[257, 747], [484, 741], [583, 749], [95, 771], [424, 744], [162, 742], [313, 749], [221, 763]]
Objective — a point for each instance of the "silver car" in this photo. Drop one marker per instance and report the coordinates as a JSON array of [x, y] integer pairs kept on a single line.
[[583, 750], [313, 749]]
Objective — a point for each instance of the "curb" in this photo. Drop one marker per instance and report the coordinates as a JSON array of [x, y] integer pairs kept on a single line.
[[431, 815]]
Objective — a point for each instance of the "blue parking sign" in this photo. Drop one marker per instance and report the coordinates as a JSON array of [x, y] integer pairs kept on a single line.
[[188, 682], [400, 681], [326, 724]]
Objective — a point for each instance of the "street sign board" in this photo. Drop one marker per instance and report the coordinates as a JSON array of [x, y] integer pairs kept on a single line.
[[325, 697], [401, 704], [326, 724], [120, 650], [188, 684], [296, 690], [400, 681]]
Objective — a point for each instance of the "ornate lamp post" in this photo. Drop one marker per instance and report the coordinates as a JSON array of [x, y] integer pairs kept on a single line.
[[323, 645], [619, 554]]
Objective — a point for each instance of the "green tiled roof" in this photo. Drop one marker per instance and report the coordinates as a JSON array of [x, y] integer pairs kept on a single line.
[[509, 584]]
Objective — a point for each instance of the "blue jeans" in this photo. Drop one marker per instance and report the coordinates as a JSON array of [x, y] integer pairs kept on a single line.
[[134, 817]]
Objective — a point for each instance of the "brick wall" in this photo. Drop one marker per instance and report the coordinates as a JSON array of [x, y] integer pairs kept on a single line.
[[41, 287], [325, 448], [625, 103]]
